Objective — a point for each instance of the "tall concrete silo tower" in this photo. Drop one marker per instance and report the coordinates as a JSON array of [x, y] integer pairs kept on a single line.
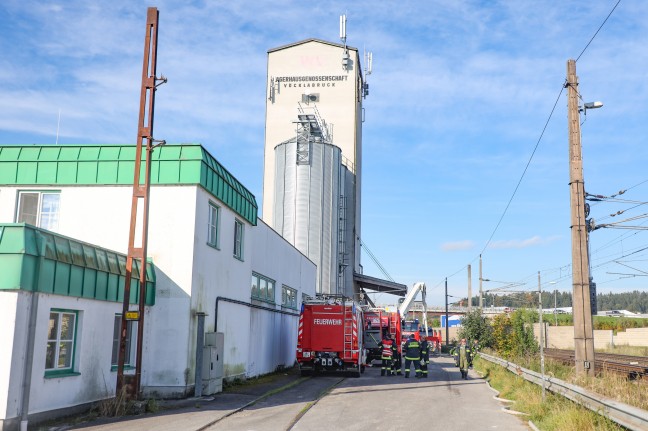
[[313, 156]]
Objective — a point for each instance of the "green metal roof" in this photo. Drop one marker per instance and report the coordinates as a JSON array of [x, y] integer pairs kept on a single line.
[[171, 164], [38, 260]]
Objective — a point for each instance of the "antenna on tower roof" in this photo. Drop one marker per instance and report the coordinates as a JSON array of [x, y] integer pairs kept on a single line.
[[368, 62], [368, 57], [343, 38]]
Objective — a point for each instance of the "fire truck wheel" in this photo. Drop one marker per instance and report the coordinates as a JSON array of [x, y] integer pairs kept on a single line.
[[305, 373]]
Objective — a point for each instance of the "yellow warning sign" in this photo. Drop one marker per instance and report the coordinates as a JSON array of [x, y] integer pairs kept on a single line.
[[132, 315]]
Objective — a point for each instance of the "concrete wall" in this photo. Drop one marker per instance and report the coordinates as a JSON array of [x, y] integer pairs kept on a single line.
[[632, 337], [92, 354], [11, 343], [274, 342], [562, 337], [453, 333]]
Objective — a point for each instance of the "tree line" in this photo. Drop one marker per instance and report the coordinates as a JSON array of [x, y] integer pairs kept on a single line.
[[635, 301]]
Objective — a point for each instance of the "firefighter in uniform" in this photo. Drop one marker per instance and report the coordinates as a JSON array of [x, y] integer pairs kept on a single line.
[[397, 363], [463, 352], [387, 356], [412, 351], [425, 356]]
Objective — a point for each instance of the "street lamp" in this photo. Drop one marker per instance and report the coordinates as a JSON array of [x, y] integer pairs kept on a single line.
[[590, 105]]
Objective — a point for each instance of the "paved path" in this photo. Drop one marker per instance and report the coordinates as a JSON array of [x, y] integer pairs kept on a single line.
[[371, 402], [442, 401]]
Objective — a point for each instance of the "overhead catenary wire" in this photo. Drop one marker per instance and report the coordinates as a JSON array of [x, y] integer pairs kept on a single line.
[[535, 148], [375, 260], [532, 153], [597, 31]]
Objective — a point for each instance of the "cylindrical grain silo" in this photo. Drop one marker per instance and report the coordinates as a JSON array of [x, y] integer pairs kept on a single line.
[[309, 189]]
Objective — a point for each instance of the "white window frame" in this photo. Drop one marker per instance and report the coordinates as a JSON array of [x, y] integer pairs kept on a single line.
[[288, 297], [59, 342], [39, 222], [265, 293], [238, 239], [131, 335], [213, 226]]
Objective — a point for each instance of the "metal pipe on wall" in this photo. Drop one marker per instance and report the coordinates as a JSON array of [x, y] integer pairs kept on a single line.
[[31, 337], [200, 343]]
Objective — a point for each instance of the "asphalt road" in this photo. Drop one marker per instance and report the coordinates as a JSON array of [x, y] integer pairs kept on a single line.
[[443, 401], [336, 402]]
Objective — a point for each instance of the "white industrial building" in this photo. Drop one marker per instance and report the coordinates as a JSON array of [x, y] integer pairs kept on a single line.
[[64, 225]]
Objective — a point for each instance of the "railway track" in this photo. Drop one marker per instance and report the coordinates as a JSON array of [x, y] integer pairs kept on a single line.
[[633, 367]]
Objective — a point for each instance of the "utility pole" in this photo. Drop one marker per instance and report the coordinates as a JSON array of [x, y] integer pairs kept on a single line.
[[583, 331], [138, 240], [446, 313], [542, 338], [469, 289], [481, 296], [555, 307]]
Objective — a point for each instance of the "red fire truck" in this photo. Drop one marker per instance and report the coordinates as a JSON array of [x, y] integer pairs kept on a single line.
[[379, 322], [330, 336]]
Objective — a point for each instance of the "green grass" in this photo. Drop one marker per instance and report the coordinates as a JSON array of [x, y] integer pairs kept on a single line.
[[555, 413], [625, 350], [599, 322], [239, 383], [611, 385]]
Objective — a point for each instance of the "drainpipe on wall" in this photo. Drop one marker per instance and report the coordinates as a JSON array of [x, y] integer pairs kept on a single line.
[[31, 336], [200, 342], [246, 304]]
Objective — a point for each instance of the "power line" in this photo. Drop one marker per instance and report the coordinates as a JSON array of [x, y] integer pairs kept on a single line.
[[562, 88], [533, 152], [597, 31]]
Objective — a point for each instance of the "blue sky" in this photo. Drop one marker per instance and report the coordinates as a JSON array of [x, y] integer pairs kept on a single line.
[[459, 96]]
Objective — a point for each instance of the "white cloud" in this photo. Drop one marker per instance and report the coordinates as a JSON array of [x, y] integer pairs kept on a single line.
[[458, 245], [524, 243]]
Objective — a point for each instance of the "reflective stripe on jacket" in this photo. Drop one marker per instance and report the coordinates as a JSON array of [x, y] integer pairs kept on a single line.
[[387, 348], [412, 349]]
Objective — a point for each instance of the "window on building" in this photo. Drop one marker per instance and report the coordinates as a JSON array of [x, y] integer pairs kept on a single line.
[[238, 239], [288, 297], [60, 340], [128, 359], [263, 288], [40, 209], [212, 226], [255, 286]]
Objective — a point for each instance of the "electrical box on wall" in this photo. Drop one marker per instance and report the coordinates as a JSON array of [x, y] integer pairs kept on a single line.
[[213, 363]]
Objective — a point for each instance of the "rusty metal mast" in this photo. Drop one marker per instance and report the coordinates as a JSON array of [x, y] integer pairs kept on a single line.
[[141, 188]]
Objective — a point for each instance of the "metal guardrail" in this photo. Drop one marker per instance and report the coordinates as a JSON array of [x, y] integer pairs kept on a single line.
[[628, 416]]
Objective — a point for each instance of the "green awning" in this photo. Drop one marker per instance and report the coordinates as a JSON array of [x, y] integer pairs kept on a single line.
[[38, 260]]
